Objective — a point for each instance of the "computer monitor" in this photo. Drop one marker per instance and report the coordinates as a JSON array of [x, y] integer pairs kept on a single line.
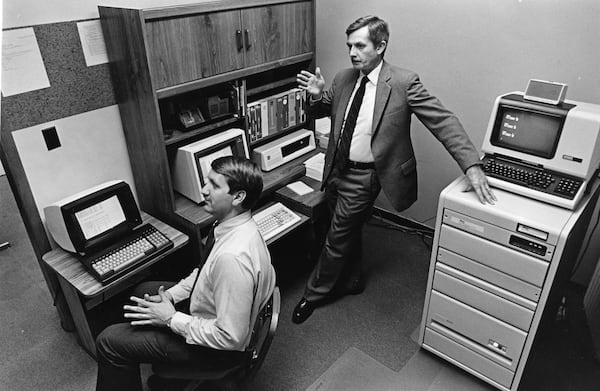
[[563, 137], [89, 220], [191, 165], [528, 129]]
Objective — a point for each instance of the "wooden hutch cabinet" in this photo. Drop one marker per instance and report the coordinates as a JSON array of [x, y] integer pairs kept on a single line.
[[167, 56]]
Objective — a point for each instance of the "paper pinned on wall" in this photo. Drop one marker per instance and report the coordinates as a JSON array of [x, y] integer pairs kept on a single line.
[[92, 42], [23, 69]]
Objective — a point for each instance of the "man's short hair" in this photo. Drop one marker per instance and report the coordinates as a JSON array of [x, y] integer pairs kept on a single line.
[[378, 28], [240, 174]]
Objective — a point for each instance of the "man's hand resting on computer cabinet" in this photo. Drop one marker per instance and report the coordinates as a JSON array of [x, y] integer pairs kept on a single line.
[[477, 181], [153, 310]]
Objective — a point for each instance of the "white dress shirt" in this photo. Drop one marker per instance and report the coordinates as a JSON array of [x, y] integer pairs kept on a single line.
[[360, 148], [236, 279]]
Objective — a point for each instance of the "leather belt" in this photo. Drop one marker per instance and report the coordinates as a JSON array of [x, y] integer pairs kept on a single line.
[[361, 165]]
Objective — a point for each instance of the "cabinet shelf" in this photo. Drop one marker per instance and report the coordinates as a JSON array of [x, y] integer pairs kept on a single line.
[[271, 86], [272, 180], [229, 76], [179, 136]]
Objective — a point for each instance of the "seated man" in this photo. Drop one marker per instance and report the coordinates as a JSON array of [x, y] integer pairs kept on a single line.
[[225, 296]]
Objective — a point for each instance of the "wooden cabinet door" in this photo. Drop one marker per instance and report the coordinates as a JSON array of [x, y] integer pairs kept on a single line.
[[277, 31], [183, 49]]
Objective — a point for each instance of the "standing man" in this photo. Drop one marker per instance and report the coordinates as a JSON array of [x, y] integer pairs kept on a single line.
[[225, 296], [370, 149]]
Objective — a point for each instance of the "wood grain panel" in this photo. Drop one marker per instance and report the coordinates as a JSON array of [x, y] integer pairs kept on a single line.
[[192, 47], [278, 31], [138, 108]]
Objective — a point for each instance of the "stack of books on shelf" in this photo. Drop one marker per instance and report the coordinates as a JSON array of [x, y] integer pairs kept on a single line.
[[276, 113], [314, 166]]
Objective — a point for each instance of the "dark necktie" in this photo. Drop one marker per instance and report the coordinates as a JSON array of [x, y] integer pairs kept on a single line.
[[343, 150]]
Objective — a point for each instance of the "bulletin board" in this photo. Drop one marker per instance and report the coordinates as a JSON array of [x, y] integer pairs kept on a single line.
[[74, 87]]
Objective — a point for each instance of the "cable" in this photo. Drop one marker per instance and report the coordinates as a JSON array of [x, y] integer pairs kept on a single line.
[[424, 234]]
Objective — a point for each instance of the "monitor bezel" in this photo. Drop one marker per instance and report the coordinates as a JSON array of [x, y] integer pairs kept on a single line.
[[130, 210]]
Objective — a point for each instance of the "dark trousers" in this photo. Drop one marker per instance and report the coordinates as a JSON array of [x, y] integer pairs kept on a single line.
[[350, 197], [122, 347]]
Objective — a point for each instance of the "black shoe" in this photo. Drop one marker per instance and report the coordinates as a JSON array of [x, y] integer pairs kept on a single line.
[[303, 310], [355, 287]]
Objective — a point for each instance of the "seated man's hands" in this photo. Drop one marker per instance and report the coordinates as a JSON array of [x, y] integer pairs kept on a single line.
[[477, 181], [154, 310]]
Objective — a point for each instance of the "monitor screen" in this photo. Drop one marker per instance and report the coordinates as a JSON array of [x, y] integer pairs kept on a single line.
[[100, 217], [529, 128], [527, 131]]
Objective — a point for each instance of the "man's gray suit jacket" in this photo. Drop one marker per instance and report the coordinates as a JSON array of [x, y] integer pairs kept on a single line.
[[399, 94]]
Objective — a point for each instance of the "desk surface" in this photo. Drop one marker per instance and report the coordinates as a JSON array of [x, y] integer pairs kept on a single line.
[[68, 266], [312, 204], [272, 181]]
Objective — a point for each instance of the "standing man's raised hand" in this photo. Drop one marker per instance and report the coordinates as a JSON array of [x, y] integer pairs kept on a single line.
[[313, 84]]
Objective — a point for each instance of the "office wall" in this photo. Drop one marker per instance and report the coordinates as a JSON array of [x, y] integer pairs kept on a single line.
[[467, 52], [89, 155], [18, 13]]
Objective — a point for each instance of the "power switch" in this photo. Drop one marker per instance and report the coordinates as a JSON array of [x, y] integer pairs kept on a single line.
[[51, 138]]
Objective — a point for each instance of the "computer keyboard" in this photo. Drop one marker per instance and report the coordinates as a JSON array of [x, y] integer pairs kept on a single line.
[[536, 178], [275, 219], [142, 245]]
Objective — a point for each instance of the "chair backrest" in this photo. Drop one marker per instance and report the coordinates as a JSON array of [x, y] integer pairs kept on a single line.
[[263, 333], [232, 378]]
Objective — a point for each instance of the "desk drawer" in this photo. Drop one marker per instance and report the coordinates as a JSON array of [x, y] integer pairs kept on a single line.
[[468, 358], [481, 299], [496, 340], [506, 260], [493, 276]]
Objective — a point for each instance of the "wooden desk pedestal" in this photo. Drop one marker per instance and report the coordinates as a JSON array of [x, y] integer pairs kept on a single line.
[[313, 205]]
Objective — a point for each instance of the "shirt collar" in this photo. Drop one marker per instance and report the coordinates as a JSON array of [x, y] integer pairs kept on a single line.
[[373, 76], [223, 227]]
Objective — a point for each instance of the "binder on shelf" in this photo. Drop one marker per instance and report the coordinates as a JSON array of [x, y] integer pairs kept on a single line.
[[276, 113]]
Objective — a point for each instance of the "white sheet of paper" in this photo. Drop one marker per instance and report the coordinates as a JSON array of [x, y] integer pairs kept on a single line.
[[23, 69], [92, 42], [300, 188]]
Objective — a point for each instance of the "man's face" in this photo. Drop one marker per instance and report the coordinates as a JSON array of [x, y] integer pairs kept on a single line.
[[363, 53], [219, 202]]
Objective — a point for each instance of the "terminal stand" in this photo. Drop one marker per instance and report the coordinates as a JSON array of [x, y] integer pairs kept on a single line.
[[83, 292], [496, 274]]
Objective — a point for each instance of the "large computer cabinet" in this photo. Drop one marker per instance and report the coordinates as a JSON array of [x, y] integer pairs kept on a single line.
[[495, 272]]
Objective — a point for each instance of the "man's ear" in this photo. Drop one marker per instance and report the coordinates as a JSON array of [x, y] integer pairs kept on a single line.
[[381, 47], [239, 197]]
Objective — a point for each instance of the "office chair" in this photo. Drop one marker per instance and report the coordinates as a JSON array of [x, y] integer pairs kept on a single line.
[[235, 377]]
